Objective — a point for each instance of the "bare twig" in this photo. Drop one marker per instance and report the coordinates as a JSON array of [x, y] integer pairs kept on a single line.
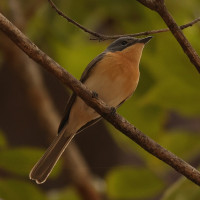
[[115, 119], [95, 34], [161, 9], [98, 36]]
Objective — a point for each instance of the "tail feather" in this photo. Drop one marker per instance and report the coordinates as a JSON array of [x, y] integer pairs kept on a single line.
[[44, 166]]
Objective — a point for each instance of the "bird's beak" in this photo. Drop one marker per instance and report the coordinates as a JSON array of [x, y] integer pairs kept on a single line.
[[144, 40]]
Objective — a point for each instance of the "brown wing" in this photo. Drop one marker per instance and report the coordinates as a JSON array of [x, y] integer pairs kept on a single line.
[[90, 66], [73, 96], [66, 113]]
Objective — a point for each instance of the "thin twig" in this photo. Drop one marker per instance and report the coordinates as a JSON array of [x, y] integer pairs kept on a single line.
[[105, 111], [98, 36], [161, 9]]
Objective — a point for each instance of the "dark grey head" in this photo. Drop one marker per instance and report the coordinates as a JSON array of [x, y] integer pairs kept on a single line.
[[124, 42]]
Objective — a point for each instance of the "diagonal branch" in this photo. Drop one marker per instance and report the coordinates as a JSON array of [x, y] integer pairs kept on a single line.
[[93, 33], [43, 107], [48, 117], [115, 119], [106, 37], [161, 9]]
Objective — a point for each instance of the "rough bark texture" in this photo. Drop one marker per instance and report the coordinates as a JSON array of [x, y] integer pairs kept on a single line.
[[107, 112], [160, 8]]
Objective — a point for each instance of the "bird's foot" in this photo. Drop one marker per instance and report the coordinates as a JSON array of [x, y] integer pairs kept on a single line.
[[113, 110], [94, 94]]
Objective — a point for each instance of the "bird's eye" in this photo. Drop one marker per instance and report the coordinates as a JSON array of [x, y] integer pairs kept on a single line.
[[124, 42]]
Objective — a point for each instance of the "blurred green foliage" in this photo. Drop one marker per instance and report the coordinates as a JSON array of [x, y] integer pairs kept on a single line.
[[182, 189], [168, 83], [133, 183], [23, 159], [19, 190], [69, 193]]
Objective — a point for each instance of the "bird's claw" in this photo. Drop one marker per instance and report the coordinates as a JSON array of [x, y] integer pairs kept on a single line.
[[113, 110], [94, 94]]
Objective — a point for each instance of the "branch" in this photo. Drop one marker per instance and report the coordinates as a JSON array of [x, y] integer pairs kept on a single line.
[[115, 119], [160, 8], [40, 102], [98, 36]]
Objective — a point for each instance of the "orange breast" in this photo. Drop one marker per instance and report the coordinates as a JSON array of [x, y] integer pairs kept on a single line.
[[114, 78]]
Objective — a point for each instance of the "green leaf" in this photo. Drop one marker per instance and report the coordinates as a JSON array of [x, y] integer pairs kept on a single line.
[[21, 160], [19, 190], [130, 182], [183, 144], [174, 95], [183, 189], [147, 118], [80, 47]]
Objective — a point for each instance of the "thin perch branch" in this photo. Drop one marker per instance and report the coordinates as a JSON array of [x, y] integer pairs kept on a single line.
[[161, 9], [115, 119], [98, 36]]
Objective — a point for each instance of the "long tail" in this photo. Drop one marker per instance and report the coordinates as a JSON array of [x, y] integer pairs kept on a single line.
[[44, 166]]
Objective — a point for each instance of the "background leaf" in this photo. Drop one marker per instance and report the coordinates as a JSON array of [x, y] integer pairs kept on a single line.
[[168, 84], [19, 190], [132, 182], [68, 193], [21, 160], [183, 189]]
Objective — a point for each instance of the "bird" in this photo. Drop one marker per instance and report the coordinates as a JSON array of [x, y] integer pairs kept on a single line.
[[113, 76]]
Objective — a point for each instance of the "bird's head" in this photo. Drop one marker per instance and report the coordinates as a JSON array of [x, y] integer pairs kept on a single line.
[[125, 42]]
